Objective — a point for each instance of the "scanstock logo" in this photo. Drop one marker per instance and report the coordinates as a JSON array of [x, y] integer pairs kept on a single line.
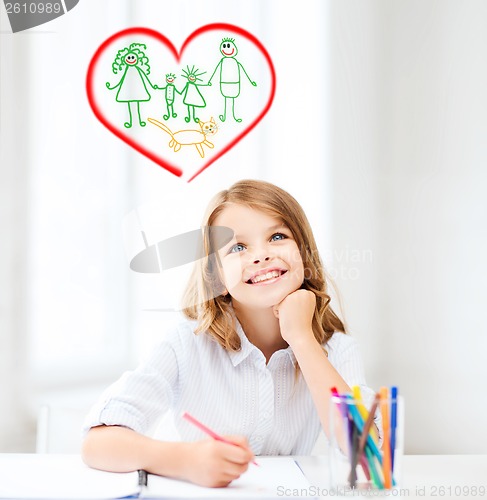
[[23, 15]]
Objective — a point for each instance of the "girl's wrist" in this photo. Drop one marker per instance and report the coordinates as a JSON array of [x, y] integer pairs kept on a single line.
[[165, 458], [302, 339]]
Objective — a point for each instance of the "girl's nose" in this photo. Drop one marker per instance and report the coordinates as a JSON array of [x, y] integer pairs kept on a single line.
[[256, 261]]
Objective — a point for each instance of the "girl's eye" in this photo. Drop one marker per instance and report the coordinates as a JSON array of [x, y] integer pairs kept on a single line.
[[237, 248], [278, 236]]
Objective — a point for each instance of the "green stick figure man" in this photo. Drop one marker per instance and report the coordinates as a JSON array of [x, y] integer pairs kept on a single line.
[[169, 95], [132, 87], [229, 75], [192, 95]]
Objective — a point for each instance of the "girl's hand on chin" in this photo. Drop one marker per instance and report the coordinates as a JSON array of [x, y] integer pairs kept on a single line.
[[295, 313]]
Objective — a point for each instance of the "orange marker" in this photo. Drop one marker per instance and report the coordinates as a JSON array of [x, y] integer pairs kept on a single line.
[[386, 447]]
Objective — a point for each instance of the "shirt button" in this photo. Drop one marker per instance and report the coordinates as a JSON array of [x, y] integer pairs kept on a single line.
[[259, 438], [265, 415]]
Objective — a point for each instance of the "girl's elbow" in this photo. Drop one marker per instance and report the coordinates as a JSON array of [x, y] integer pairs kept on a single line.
[[90, 447]]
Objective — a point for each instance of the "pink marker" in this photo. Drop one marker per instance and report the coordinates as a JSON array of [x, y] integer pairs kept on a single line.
[[210, 433]]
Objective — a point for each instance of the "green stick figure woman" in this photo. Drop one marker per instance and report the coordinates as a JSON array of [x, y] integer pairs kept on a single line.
[[169, 95], [192, 95], [132, 87], [229, 75]]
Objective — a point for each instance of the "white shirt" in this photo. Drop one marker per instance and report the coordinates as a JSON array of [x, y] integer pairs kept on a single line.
[[230, 392]]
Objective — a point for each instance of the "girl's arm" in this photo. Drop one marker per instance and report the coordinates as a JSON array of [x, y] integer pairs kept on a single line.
[[295, 315], [207, 462]]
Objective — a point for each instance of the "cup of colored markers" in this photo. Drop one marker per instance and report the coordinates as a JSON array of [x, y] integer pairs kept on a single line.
[[366, 438]]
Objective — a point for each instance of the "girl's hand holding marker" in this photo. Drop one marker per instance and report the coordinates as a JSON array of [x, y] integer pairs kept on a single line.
[[216, 463], [239, 442]]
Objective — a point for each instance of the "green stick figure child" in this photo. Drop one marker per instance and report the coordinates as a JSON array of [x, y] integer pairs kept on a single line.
[[170, 95], [229, 75], [132, 87], [192, 95]]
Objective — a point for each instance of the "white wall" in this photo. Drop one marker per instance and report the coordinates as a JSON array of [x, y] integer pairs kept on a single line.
[[410, 177], [13, 273]]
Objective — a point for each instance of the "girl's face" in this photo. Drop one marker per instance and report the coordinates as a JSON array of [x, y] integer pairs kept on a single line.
[[262, 264]]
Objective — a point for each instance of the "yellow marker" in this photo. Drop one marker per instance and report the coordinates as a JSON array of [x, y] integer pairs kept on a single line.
[[364, 413]]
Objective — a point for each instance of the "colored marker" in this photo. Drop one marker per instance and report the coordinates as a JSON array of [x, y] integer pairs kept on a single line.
[[376, 479], [362, 409], [368, 423], [346, 419], [365, 467], [341, 405], [393, 424], [386, 463], [210, 433], [353, 471], [360, 425]]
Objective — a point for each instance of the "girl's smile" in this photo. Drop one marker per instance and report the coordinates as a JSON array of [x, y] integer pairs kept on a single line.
[[262, 264], [266, 276]]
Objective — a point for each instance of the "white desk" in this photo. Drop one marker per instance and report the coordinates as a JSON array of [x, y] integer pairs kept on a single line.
[[423, 476]]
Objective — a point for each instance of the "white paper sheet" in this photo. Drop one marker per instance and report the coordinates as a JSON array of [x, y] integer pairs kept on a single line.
[[269, 480], [60, 477]]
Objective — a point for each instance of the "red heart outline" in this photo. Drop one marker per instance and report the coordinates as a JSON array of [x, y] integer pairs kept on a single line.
[[177, 55]]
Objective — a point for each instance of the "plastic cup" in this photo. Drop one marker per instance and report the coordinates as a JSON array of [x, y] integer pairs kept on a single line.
[[365, 461]]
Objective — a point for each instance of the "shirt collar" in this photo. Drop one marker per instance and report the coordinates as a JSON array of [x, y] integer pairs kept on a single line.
[[246, 347]]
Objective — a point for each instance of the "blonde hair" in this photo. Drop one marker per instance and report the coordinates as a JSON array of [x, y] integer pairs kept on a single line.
[[204, 300]]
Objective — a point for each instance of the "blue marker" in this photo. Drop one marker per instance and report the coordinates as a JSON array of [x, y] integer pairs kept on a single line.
[[393, 423]]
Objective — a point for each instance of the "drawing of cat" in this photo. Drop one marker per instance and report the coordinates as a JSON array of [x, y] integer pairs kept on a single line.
[[189, 137]]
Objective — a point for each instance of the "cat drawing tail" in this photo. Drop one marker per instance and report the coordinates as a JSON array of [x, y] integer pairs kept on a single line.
[[166, 129]]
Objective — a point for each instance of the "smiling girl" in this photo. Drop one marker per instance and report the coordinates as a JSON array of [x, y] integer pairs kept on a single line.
[[255, 359]]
